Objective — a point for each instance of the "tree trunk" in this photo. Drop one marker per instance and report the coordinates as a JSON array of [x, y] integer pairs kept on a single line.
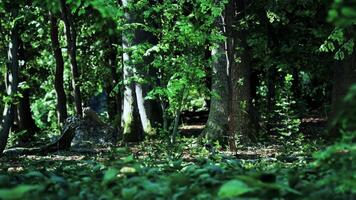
[[240, 116], [71, 36], [24, 115], [12, 80], [255, 121], [217, 124], [58, 80], [134, 105], [271, 97], [132, 128], [240, 90], [113, 96], [344, 77]]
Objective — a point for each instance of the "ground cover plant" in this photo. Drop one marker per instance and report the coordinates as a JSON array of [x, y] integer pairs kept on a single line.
[[177, 99]]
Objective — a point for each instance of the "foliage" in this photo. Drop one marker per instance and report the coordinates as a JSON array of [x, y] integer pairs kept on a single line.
[[290, 45], [284, 112], [337, 160], [152, 171]]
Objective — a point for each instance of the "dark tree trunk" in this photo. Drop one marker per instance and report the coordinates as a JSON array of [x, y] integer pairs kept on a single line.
[[240, 89], [344, 77], [58, 80], [71, 36], [254, 81], [11, 87], [240, 116], [114, 97], [271, 97], [24, 115], [111, 87]]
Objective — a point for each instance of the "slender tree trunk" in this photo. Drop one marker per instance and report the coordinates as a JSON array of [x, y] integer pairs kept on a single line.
[[271, 97], [344, 77], [217, 124], [255, 121], [24, 115], [113, 97], [58, 80], [12, 80], [71, 36], [271, 72], [143, 108]]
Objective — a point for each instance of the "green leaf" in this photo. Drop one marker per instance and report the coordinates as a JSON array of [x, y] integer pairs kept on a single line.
[[233, 188], [18, 192], [110, 175], [129, 193]]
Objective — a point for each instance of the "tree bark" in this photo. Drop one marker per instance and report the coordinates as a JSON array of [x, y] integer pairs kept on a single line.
[[131, 123], [71, 36], [271, 97], [240, 89], [113, 99], [344, 77], [12, 80], [217, 124], [58, 80], [24, 115], [134, 105]]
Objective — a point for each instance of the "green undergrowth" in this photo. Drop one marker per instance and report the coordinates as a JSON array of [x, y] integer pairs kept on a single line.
[[154, 170]]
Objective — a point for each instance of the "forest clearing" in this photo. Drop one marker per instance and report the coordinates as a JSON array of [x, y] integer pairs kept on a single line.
[[177, 99]]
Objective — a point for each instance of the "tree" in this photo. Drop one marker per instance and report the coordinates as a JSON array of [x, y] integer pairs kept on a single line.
[[12, 80], [71, 36], [239, 82], [217, 124], [344, 78], [58, 81], [136, 118]]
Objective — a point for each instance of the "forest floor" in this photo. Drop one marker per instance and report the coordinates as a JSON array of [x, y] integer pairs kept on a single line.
[[157, 170]]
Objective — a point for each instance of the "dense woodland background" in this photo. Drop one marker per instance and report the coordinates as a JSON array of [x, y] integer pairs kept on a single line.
[[201, 99]]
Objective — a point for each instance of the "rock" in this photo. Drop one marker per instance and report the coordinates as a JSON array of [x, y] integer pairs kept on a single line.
[[90, 130]]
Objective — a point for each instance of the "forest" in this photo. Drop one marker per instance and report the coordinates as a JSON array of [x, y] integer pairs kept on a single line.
[[178, 99]]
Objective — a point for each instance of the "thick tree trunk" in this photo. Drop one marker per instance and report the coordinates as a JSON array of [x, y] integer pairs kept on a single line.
[[12, 79], [217, 124], [71, 36], [240, 90], [240, 115], [58, 80]]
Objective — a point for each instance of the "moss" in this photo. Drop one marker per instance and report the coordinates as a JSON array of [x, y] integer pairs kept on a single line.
[[149, 130], [128, 126]]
